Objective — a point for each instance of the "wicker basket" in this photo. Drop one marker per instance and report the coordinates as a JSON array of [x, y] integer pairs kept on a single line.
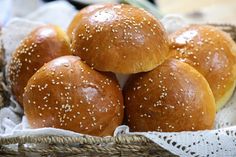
[[123, 145]]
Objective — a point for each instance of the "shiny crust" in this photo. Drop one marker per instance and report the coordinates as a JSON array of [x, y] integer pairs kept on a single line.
[[120, 38], [212, 52], [81, 14], [66, 93], [42, 45], [172, 97]]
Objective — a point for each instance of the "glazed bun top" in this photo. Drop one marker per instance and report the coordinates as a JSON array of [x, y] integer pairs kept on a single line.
[[121, 39], [39, 47], [212, 52], [66, 93], [172, 97], [82, 13]]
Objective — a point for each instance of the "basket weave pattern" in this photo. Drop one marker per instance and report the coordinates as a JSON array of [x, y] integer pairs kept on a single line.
[[122, 145]]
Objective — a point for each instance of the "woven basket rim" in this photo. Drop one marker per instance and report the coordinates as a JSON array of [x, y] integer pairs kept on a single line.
[[84, 139]]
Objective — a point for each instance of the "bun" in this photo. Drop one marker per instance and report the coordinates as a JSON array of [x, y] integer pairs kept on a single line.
[[173, 97], [42, 45], [121, 39], [82, 13], [213, 53], [66, 93]]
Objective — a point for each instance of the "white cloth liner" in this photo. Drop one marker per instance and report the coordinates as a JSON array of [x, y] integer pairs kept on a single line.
[[220, 142], [58, 13]]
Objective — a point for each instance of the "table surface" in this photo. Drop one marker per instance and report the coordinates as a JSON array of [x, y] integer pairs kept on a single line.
[[218, 11]]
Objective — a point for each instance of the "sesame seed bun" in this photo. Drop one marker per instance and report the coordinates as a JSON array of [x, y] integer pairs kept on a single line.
[[66, 93], [172, 97], [121, 39], [213, 53], [40, 46]]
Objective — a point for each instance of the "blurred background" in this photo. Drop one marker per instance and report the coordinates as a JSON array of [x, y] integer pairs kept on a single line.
[[195, 11], [220, 11]]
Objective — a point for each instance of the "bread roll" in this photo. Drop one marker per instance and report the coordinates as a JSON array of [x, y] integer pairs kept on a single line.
[[66, 93], [213, 53], [121, 39], [40, 46], [172, 97]]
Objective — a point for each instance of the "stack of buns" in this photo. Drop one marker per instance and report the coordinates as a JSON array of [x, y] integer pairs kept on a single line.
[[68, 80]]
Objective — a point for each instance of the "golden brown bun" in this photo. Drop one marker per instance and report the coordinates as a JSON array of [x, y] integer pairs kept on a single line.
[[213, 53], [172, 97], [42, 45], [66, 93], [81, 14], [120, 38]]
